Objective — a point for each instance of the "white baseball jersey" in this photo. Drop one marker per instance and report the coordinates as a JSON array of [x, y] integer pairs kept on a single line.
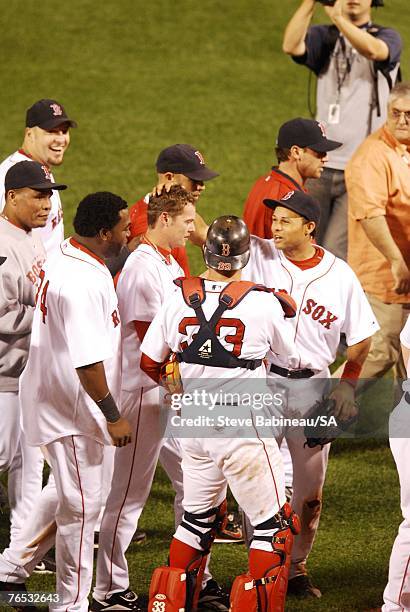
[[76, 323], [251, 329], [329, 297], [53, 233], [144, 283]]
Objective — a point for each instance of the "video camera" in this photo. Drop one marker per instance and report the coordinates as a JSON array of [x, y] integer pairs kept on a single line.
[[375, 3]]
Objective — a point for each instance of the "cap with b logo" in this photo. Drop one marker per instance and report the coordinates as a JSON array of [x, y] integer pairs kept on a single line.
[[30, 174], [300, 202], [306, 133], [47, 114], [184, 159]]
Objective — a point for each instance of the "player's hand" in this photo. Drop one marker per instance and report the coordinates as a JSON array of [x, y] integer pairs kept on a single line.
[[345, 407], [335, 11], [401, 275], [120, 432], [163, 185]]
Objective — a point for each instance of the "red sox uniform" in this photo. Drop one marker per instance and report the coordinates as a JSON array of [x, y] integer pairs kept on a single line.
[[52, 234], [21, 258], [330, 301], [397, 592], [251, 466], [144, 283], [76, 323]]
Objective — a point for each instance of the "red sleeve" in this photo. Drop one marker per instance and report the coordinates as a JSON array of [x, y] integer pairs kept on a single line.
[[150, 367], [138, 218], [141, 327], [256, 215], [181, 256]]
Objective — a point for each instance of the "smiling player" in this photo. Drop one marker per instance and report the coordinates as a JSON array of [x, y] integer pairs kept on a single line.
[[46, 138]]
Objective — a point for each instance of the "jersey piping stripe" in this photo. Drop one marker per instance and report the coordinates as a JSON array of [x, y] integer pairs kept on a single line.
[[82, 524], [83, 248], [90, 263], [267, 459], [304, 293], [114, 536], [404, 579]]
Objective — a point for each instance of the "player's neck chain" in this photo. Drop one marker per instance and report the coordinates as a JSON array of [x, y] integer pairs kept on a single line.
[[166, 260]]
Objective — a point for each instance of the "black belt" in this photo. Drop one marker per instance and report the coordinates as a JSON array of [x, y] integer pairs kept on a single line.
[[407, 397], [306, 373]]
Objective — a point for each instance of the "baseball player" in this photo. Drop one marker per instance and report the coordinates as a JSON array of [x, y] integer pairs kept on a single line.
[[220, 330], [179, 164], [301, 152], [46, 138], [69, 402], [144, 283], [397, 592], [28, 188], [330, 301]]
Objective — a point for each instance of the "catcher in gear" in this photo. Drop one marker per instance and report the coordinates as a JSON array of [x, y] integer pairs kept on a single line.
[[221, 329]]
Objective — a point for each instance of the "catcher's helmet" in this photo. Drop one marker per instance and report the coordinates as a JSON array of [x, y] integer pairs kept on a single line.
[[227, 244]]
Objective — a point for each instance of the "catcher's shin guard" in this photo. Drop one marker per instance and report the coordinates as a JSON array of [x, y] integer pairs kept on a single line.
[[177, 587], [173, 589], [264, 588]]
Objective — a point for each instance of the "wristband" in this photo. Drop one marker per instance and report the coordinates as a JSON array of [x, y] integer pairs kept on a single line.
[[351, 373], [109, 408]]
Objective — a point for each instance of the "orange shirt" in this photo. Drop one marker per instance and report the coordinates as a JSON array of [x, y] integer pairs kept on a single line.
[[378, 184], [274, 186], [139, 225]]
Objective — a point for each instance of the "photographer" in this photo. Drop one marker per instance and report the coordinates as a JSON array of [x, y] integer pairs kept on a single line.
[[356, 63]]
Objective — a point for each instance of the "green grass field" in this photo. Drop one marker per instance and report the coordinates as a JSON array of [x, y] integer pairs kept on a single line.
[[138, 76]]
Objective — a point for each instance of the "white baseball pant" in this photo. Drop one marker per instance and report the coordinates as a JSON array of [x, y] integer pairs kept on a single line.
[[134, 470], [397, 592]]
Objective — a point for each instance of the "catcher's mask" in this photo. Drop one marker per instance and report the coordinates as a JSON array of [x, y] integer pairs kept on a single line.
[[227, 244]]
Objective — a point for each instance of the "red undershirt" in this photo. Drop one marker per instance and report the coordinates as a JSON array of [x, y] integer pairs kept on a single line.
[[306, 264]]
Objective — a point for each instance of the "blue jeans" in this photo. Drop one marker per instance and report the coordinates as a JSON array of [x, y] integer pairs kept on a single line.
[[330, 191]]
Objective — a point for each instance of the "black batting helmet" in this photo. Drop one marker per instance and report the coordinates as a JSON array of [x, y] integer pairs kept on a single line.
[[227, 244]]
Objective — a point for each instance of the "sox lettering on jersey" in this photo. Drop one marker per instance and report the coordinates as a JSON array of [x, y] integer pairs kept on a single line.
[[317, 311]]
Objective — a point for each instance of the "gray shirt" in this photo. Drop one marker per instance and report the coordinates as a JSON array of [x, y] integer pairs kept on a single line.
[[21, 257], [346, 86]]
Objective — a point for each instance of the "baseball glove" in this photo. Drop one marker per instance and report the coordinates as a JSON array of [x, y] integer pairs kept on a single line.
[[319, 431], [170, 377]]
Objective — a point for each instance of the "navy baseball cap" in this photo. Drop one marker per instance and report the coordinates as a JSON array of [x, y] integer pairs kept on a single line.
[[184, 159], [30, 174], [47, 114], [305, 133], [300, 202]]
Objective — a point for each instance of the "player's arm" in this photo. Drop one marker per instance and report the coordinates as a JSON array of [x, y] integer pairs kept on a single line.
[[344, 392], [378, 232], [296, 30], [154, 348], [15, 316], [367, 45], [93, 379]]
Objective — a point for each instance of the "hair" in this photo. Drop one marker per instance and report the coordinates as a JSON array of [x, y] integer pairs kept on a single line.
[[98, 211], [401, 90], [172, 202], [282, 155]]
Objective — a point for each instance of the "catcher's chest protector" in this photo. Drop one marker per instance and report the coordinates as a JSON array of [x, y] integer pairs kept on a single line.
[[206, 348]]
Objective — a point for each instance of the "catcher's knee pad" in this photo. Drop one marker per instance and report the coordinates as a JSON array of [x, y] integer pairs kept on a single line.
[[264, 587], [201, 529]]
